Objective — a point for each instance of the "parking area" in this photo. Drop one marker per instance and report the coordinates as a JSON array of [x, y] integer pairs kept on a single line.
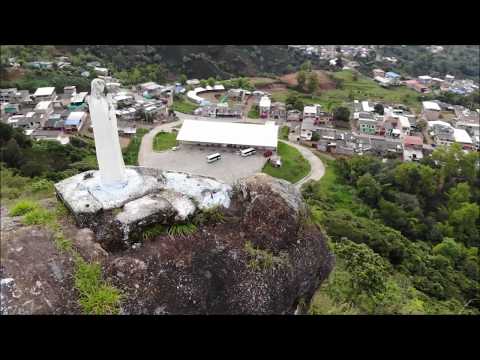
[[193, 159]]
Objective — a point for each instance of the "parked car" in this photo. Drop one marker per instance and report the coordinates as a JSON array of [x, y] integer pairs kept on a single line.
[[175, 148], [268, 153]]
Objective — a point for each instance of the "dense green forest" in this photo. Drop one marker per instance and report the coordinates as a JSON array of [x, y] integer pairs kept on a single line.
[[405, 234]]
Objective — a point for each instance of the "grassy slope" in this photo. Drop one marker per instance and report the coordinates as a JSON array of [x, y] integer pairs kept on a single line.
[[184, 106], [362, 89], [294, 166], [284, 131], [130, 153], [164, 141]]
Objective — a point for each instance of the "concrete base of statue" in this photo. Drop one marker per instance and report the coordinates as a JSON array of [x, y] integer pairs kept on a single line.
[[149, 197]]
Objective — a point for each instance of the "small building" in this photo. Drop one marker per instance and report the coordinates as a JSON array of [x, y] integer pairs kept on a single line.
[[9, 109], [50, 135], [44, 107], [193, 82], [123, 100], [307, 128], [101, 71], [417, 86], [412, 148], [69, 90], [392, 75], [404, 124], [294, 115], [425, 79], [367, 123], [54, 122], [367, 107], [309, 112], [379, 73], [264, 106], [45, 94], [75, 121], [431, 110], [78, 101], [449, 78], [278, 111], [461, 137]]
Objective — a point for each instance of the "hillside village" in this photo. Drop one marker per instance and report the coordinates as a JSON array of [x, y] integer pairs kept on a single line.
[[365, 152], [381, 128]]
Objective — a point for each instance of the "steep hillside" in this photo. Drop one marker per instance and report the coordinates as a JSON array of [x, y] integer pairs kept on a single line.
[[199, 60]]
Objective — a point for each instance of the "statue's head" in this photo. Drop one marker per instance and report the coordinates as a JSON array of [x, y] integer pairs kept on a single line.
[[98, 88]]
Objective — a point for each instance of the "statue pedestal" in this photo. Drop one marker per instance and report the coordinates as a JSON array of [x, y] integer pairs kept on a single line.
[[118, 214]]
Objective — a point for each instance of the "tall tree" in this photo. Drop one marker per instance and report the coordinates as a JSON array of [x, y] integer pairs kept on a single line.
[[301, 79], [312, 82]]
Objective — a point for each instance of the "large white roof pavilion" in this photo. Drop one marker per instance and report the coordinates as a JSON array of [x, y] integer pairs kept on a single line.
[[228, 133]]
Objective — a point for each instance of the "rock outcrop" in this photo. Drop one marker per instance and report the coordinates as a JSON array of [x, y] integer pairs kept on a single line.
[[264, 258], [259, 255]]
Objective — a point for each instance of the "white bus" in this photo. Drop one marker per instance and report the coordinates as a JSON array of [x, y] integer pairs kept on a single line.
[[248, 152], [213, 157]]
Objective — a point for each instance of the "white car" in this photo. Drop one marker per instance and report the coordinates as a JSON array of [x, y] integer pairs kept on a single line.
[[175, 148]]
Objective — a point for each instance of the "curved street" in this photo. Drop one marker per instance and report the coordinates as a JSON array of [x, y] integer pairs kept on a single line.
[[149, 158], [317, 167]]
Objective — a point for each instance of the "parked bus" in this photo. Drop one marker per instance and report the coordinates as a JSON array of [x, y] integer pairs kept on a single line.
[[213, 157], [248, 152]]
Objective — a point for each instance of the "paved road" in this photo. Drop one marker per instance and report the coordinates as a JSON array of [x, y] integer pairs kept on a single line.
[[146, 154], [317, 168]]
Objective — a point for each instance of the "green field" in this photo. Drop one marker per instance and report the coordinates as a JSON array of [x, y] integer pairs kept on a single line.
[[284, 131], [184, 106], [294, 166], [130, 153], [254, 112], [164, 141], [361, 89]]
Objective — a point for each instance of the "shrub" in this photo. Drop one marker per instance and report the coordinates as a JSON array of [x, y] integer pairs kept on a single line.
[[38, 216], [23, 207], [182, 229], [153, 231], [42, 185], [96, 297]]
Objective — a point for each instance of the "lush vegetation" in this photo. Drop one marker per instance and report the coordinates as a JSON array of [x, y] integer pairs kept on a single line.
[[254, 112], [45, 159], [416, 60], [350, 86], [164, 141], [284, 131], [405, 234], [130, 153], [294, 166], [141, 74]]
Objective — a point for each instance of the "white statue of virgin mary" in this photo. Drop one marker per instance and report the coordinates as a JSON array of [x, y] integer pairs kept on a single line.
[[107, 144]]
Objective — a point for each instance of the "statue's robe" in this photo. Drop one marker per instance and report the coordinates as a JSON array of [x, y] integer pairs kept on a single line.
[[107, 143]]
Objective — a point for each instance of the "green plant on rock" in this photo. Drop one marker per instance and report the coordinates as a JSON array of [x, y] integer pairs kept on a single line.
[[182, 229], [39, 216], [23, 207], [213, 215], [96, 296], [262, 259], [153, 231]]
